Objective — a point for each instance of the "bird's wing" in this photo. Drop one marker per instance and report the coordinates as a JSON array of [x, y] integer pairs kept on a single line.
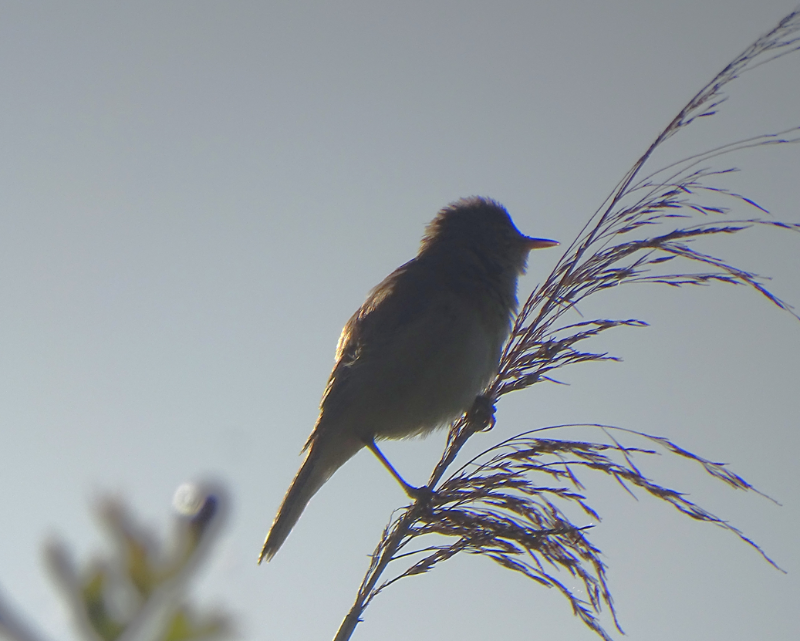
[[389, 311], [389, 308]]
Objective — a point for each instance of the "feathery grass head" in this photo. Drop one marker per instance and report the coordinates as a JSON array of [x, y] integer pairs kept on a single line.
[[522, 502]]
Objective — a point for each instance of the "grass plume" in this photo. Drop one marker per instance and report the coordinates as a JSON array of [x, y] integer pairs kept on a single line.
[[513, 503]]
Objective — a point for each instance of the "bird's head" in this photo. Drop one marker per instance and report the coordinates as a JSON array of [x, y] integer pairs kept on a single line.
[[480, 229]]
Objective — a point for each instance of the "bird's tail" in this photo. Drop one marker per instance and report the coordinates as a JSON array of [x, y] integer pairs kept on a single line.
[[324, 457]]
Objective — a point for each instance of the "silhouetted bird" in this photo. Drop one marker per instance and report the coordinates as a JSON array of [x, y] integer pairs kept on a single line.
[[423, 346]]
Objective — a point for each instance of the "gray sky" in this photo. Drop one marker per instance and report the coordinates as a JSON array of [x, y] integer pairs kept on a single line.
[[195, 196]]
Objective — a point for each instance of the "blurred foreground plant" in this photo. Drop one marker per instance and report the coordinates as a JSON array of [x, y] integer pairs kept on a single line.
[[139, 591], [510, 503]]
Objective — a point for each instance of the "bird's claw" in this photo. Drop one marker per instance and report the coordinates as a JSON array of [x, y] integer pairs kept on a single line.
[[481, 414], [422, 494]]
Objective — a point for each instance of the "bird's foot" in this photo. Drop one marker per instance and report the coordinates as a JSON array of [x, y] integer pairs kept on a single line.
[[481, 414], [422, 494]]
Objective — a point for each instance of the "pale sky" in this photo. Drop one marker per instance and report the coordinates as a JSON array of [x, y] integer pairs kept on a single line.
[[195, 196]]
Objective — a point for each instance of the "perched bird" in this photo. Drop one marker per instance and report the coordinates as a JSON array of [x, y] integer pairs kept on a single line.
[[417, 353]]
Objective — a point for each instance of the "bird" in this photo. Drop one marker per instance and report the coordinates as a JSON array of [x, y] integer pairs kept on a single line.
[[419, 351]]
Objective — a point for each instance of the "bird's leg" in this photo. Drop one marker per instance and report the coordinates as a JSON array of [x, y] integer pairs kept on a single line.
[[481, 414], [413, 492]]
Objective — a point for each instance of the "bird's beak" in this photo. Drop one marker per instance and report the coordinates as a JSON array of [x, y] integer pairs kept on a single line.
[[539, 243]]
